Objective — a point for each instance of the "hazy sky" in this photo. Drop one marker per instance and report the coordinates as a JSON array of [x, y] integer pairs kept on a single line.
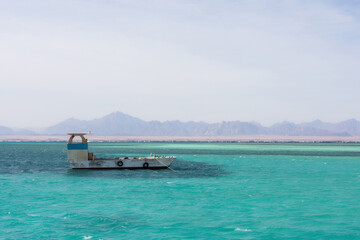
[[266, 61]]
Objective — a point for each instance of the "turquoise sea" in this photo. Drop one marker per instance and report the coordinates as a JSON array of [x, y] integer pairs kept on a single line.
[[219, 191]]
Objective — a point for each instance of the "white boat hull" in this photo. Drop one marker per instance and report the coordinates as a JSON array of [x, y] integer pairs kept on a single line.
[[123, 163]]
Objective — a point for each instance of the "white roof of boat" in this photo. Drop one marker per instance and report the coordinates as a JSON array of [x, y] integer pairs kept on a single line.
[[78, 134]]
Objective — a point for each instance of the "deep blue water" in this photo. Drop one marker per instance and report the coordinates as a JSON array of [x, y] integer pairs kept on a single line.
[[219, 191]]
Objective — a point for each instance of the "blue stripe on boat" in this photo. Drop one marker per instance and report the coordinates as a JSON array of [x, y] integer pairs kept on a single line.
[[77, 146]]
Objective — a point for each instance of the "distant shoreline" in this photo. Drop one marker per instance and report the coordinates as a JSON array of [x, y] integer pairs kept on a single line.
[[234, 139]]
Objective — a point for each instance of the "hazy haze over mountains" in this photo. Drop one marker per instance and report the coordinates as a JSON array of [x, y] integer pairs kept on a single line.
[[120, 124], [196, 60]]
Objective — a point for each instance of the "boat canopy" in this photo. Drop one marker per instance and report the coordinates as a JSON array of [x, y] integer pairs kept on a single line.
[[72, 135]]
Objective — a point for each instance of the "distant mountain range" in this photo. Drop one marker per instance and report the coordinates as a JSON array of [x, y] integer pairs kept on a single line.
[[21, 132], [120, 124]]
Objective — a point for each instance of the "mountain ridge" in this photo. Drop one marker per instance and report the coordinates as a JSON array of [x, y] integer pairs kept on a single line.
[[121, 124]]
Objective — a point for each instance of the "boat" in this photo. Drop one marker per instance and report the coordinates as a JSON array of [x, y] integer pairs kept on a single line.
[[79, 157]]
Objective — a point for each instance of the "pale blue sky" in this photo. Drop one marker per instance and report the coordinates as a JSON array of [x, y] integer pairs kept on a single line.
[[264, 61]]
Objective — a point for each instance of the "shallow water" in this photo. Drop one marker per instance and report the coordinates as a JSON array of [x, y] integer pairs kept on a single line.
[[225, 190]]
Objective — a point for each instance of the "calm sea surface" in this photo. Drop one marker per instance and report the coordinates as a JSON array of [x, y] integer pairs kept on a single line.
[[219, 191]]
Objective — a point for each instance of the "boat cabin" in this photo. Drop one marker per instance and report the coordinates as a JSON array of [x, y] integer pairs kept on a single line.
[[78, 151]]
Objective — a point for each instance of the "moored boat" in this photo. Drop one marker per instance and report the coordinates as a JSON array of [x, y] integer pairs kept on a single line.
[[79, 157]]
